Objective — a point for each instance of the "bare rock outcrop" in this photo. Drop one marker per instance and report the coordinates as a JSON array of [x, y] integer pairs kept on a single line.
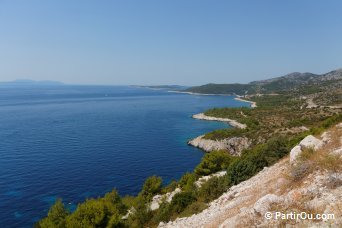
[[234, 145], [233, 123], [263, 205], [158, 199], [311, 142], [294, 154], [307, 143]]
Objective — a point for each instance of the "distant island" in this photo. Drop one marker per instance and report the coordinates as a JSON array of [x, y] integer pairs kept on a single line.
[[28, 82]]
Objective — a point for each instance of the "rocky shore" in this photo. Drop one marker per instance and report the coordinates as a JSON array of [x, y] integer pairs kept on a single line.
[[233, 123], [234, 145]]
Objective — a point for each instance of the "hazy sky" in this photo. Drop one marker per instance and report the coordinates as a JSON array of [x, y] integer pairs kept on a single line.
[[167, 42]]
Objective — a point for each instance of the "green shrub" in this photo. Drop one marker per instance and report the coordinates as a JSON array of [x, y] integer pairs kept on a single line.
[[151, 187], [56, 216], [142, 214], [98, 212], [129, 201], [181, 200], [225, 133], [170, 187], [213, 188], [256, 159], [91, 213], [164, 213], [194, 208], [113, 202], [187, 182], [213, 162]]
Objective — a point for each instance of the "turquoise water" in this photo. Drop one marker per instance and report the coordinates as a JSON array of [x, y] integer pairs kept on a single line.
[[76, 142]]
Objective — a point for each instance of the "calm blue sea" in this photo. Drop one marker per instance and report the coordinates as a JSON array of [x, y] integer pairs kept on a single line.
[[76, 142]]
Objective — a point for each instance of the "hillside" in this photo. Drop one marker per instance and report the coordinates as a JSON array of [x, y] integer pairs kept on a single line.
[[299, 83], [308, 186]]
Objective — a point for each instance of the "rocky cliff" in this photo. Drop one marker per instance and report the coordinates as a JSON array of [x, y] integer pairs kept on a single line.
[[234, 145]]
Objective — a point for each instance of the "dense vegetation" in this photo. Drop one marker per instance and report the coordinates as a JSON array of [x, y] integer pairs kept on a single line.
[[239, 89], [274, 127], [281, 115]]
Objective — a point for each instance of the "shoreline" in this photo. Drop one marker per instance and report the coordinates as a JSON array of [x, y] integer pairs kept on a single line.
[[233, 123], [236, 97], [253, 103], [200, 94], [208, 145], [233, 144]]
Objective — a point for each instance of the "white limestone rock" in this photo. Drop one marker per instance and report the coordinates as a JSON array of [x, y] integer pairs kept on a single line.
[[234, 145], [204, 179], [337, 152], [308, 142], [264, 203], [311, 142], [233, 123], [295, 152], [158, 199], [326, 137]]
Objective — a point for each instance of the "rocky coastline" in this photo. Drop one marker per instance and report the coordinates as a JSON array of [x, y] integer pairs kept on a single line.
[[233, 123], [234, 145]]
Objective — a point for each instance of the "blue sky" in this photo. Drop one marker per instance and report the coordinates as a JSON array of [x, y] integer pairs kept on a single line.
[[188, 42]]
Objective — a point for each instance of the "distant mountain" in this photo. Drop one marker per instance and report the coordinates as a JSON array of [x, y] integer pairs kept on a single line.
[[295, 76], [28, 82], [291, 82], [332, 75]]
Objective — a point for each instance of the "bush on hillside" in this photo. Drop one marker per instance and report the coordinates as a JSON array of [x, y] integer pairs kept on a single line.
[[56, 216], [256, 159], [181, 200], [187, 182], [213, 162], [213, 188], [98, 212], [151, 187]]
